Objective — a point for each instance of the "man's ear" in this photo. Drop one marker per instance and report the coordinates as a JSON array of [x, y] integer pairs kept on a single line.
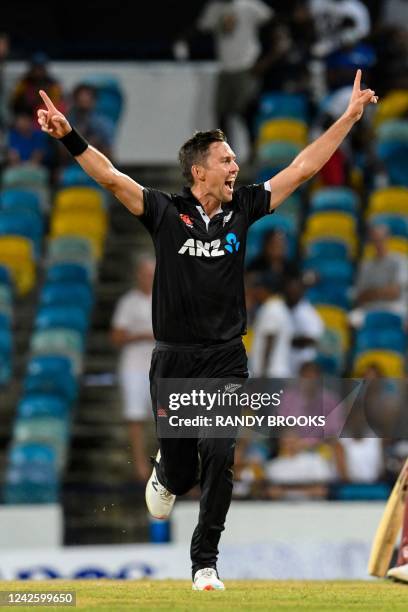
[[198, 172]]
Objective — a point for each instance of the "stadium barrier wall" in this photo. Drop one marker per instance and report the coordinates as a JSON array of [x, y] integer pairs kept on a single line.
[[165, 102], [31, 526], [264, 541]]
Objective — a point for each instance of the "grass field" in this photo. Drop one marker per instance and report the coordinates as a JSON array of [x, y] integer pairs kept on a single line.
[[243, 595]]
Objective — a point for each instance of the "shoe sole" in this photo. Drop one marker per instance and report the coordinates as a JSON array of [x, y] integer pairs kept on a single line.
[[159, 518], [209, 587]]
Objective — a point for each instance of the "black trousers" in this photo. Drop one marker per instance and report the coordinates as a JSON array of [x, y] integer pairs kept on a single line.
[[180, 457]]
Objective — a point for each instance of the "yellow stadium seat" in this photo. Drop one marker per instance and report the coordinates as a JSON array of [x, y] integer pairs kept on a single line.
[[248, 339], [331, 225], [396, 244], [92, 226], [16, 253], [289, 130], [392, 106], [391, 364], [87, 199], [390, 200]]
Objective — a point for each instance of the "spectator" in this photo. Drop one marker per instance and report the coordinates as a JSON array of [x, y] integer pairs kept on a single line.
[[380, 279], [272, 334], [25, 142], [296, 473], [97, 129], [273, 260], [235, 24], [25, 95], [307, 324], [132, 333]]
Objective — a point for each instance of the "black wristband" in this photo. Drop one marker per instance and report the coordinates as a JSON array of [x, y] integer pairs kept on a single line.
[[74, 143]]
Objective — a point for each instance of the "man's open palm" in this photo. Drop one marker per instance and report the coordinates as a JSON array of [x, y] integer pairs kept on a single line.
[[360, 98], [52, 120]]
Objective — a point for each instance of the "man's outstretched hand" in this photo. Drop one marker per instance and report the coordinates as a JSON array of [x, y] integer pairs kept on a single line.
[[360, 98], [52, 120]]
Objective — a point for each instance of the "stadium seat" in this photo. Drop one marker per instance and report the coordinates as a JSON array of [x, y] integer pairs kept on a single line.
[[75, 176], [45, 379], [397, 224], [59, 341], [76, 223], [17, 254], [61, 316], [385, 339], [327, 250], [40, 405], [20, 200], [335, 199], [390, 363], [87, 199], [336, 271], [258, 230], [48, 430], [279, 105], [393, 130], [286, 130], [5, 276], [66, 272], [393, 105], [26, 224], [31, 475], [389, 201], [25, 175], [333, 294], [381, 319], [394, 156], [6, 347], [277, 153], [70, 249], [68, 293], [109, 100], [395, 244]]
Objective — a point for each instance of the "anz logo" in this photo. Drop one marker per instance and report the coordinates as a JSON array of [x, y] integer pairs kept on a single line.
[[198, 248]]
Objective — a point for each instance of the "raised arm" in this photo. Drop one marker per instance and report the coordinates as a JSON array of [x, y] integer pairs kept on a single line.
[[99, 167], [313, 157]]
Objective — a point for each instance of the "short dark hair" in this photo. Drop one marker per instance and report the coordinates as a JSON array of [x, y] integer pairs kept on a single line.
[[195, 150]]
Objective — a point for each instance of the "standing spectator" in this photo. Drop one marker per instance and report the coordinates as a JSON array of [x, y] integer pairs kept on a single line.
[[380, 279], [272, 335], [235, 24], [97, 129], [132, 333], [24, 98], [307, 324], [25, 142]]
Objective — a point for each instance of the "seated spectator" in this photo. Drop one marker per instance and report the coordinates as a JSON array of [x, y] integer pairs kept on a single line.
[[25, 96], [273, 260], [25, 142], [380, 280], [132, 333], [296, 473], [93, 126], [272, 334], [307, 325]]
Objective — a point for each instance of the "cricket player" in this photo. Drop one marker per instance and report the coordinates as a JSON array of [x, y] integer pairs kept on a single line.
[[199, 314]]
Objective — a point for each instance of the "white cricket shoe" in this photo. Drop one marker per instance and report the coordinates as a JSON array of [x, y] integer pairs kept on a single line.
[[400, 572], [206, 579], [159, 500]]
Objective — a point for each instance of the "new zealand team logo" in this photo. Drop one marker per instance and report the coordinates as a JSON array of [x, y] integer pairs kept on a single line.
[[232, 243], [187, 220]]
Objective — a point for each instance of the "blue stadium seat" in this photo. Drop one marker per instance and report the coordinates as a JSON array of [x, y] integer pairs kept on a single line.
[[330, 270], [391, 339], [109, 99], [5, 276], [395, 158], [31, 475], [75, 176], [332, 294], [41, 405], [65, 272], [277, 105], [335, 198], [59, 315], [58, 381], [27, 224], [381, 319], [397, 224], [327, 250], [18, 200], [68, 293]]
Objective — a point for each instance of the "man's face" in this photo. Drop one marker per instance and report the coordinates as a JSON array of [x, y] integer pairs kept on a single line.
[[219, 171]]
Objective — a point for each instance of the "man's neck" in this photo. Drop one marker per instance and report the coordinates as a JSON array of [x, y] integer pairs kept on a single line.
[[211, 205]]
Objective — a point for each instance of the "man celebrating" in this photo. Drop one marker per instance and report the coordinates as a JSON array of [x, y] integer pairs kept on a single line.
[[199, 312]]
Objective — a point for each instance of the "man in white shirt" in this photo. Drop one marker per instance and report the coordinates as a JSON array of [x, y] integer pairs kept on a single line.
[[132, 333], [235, 25], [272, 337]]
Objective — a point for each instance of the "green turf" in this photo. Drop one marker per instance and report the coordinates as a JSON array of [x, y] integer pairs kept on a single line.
[[241, 596]]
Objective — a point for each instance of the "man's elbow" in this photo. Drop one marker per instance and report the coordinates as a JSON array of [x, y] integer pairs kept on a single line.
[[304, 172]]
